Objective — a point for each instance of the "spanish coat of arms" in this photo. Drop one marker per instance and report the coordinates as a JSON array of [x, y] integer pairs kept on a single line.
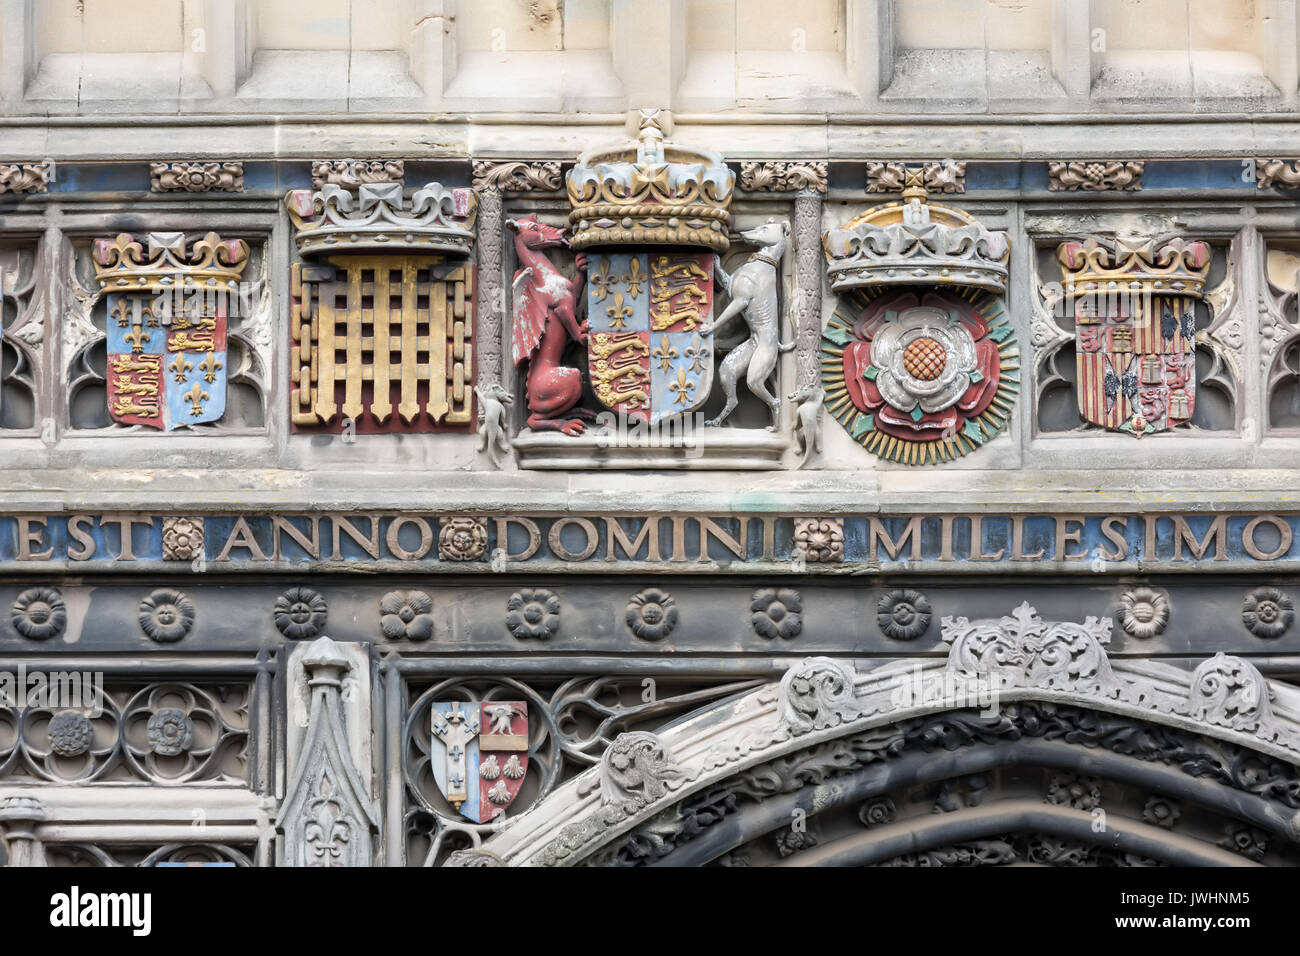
[[479, 754]]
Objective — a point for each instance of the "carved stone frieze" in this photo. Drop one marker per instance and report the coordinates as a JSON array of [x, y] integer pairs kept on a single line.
[[1024, 650], [1095, 176], [517, 176], [1277, 172], [25, 177], [943, 177], [197, 177], [783, 176], [353, 173]]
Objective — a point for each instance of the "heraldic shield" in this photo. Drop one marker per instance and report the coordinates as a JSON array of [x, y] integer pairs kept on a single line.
[[1136, 362], [479, 754], [645, 354], [1135, 326], [166, 370]]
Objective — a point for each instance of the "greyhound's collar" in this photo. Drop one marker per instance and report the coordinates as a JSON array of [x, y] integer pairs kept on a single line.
[[763, 257]]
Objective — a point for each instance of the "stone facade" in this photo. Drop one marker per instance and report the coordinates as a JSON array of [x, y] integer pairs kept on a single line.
[[416, 414]]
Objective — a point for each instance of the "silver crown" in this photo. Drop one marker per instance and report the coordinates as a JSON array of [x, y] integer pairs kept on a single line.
[[915, 242], [379, 218]]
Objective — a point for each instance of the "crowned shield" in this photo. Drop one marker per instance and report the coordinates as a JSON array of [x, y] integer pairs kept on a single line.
[[167, 358], [646, 355], [479, 754], [1136, 361]]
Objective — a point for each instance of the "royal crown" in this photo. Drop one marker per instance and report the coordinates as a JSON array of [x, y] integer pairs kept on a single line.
[[916, 242], [649, 191], [1176, 267], [164, 261], [379, 217]]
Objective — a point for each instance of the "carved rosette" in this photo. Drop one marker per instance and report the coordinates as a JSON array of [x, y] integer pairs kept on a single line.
[[1230, 692], [300, 612], [462, 539], [182, 538], [406, 616], [817, 693], [1095, 176], [39, 613], [1268, 612], [1023, 650], [196, 177], [166, 616], [1144, 612], [903, 614], [819, 539], [921, 366], [533, 613], [651, 614], [776, 612]]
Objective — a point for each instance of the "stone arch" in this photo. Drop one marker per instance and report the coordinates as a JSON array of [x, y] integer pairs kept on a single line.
[[1089, 744]]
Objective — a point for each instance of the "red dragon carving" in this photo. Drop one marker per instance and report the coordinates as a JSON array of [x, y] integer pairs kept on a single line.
[[544, 323]]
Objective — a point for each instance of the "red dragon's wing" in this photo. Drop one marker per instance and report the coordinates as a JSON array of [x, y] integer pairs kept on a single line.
[[530, 319]]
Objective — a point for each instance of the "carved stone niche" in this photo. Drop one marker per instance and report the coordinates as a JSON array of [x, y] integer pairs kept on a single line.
[[919, 361], [383, 309], [650, 222], [328, 816]]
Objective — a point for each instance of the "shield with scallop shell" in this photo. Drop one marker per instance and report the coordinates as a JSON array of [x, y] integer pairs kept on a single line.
[[479, 755]]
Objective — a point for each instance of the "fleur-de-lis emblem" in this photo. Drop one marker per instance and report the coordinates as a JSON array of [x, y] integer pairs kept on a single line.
[[179, 367], [210, 367], [196, 397], [618, 313], [603, 281], [633, 278], [682, 388], [150, 316], [697, 353], [137, 337], [664, 354], [122, 313]]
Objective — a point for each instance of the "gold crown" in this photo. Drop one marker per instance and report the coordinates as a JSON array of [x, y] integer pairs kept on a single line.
[[1177, 267], [650, 191], [163, 262]]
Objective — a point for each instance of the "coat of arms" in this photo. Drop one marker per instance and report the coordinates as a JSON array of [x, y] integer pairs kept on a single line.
[[479, 754], [646, 354], [1135, 326], [168, 306]]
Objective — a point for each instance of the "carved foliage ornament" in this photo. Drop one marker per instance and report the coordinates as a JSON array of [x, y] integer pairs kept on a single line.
[[816, 694], [1230, 692], [25, 177], [944, 177], [1133, 303], [517, 176], [1277, 172], [784, 177], [352, 173], [1024, 650], [196, 177], [1095, 176]]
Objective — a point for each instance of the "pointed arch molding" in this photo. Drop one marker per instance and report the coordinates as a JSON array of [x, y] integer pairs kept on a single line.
[[1018, 664]]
